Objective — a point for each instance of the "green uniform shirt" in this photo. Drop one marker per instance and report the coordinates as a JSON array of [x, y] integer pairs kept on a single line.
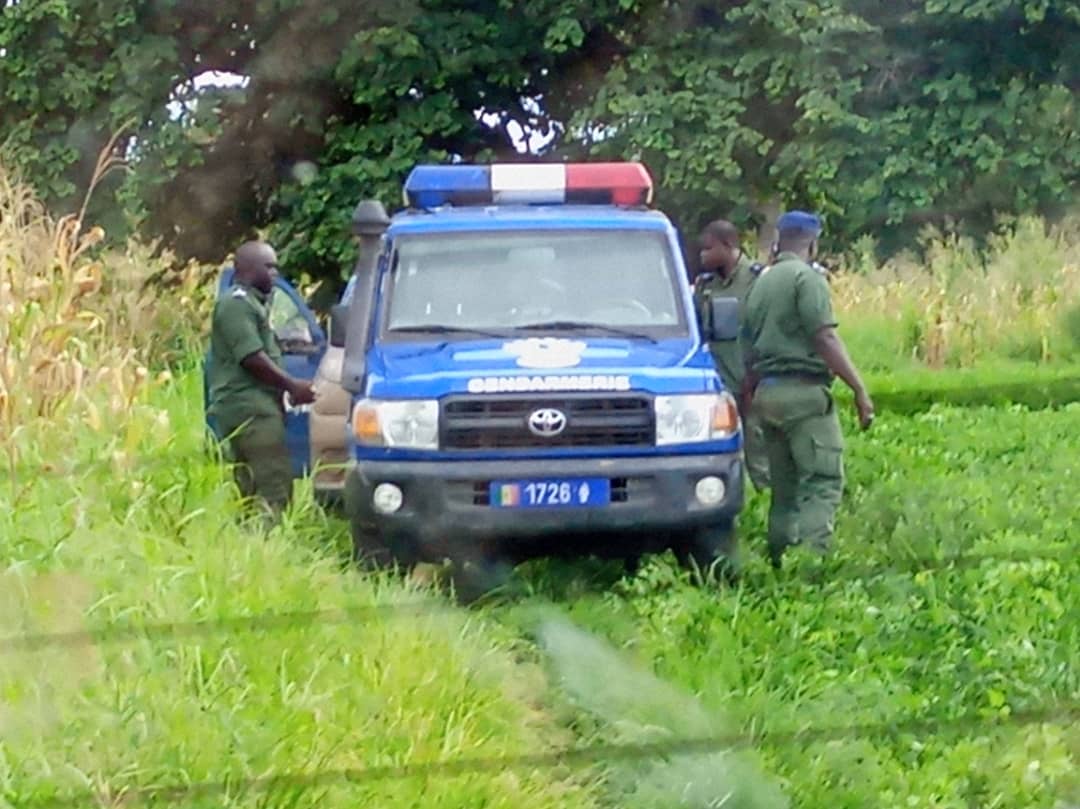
[[240, 327], [726, 353], [787, 305]]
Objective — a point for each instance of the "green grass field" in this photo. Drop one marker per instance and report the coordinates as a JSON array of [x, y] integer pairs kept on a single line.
[[948, 615], [931, 662], [137, 525]]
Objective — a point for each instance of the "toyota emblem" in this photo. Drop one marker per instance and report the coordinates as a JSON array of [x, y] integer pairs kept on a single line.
[[547, 422]]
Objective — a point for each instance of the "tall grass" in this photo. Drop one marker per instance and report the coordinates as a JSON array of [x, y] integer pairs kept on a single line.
[[79, 318], [954, 305], [112, 514], [92, 545]]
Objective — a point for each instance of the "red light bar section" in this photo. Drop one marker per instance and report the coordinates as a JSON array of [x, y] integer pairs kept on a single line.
[[611, 183]]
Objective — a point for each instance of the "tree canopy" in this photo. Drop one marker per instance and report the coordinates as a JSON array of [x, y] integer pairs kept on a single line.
[[883, 116]]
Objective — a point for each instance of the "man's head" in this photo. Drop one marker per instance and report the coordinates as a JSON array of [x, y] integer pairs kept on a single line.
[[798, 232], [720, 249], [256, 266]]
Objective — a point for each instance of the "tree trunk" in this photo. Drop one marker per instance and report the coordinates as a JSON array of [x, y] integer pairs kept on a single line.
[[767, 211]]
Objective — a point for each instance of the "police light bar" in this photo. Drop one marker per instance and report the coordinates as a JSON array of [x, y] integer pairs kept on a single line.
[[430, 186]]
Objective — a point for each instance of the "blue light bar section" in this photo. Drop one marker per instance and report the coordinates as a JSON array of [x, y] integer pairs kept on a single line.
[[429, 186]]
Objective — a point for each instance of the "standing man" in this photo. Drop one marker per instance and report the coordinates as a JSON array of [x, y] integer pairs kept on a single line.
[[247, 381], [727, 272], [792, 352]]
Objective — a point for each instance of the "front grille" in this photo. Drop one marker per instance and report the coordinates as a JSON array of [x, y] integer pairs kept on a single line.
[[620, 491], [496, 422]]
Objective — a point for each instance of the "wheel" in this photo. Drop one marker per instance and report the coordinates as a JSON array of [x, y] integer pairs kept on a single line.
[[710, 552], [373, 553], [479, 575], [330, 500], [368, 552], [481, 569]]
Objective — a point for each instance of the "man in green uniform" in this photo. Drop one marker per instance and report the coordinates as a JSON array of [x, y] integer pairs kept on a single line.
[[247, 381], [792, 352], [727, 272]]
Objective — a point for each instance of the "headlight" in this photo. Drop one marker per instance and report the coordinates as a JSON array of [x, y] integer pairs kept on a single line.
[[411, 424], [694, 418]]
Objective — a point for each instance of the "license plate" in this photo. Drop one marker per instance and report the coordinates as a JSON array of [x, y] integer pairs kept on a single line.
[[551, 493]]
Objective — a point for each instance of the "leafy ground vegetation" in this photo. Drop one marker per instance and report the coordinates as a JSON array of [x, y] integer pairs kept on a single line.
[[930, 663], [944, 629]]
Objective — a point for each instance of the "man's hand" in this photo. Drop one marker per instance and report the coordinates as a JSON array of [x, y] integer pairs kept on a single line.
[[865, 407], [262, 368], [744, 397], [832, 350], [300, 392]]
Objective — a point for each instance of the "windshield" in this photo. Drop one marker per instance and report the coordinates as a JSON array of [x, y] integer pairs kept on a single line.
[[614, 282]]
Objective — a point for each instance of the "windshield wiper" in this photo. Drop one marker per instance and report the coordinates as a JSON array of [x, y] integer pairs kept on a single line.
[[581, 325], [441, 328]]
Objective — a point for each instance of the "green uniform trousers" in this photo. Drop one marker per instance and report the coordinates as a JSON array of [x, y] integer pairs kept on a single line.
[[262, 468], [755, 452], [804, 445]]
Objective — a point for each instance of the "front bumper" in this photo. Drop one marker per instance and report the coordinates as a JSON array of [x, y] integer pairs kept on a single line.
[[446, 503]]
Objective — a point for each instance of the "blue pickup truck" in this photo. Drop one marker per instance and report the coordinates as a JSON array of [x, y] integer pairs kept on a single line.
[[521, 370]]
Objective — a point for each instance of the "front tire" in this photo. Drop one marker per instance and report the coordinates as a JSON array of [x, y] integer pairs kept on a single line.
[[369, 551], [710, 552], [478, 575]]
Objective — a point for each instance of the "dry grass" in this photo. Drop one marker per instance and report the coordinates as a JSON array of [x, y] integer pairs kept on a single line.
[[78, 317], [957, 306]]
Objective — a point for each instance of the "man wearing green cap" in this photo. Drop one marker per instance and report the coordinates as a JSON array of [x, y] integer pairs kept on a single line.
[[727, 272], [792, 352]]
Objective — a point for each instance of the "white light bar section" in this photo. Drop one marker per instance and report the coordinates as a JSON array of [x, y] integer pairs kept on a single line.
[[528, 183]]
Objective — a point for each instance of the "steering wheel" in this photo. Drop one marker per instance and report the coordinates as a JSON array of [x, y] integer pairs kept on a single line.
[[552, 286], [541, 309], [626, 305]]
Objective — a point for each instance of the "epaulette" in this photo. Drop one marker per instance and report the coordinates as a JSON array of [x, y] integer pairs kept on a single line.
[[757, 267]]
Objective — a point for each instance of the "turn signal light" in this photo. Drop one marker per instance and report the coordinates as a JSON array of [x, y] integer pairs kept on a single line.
[[725, 417], [365, 424]]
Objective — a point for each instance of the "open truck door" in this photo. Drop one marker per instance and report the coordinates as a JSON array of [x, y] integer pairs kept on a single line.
[[329, 414]]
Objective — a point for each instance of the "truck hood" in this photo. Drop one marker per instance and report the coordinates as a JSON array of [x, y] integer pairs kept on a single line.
[[538, 365]]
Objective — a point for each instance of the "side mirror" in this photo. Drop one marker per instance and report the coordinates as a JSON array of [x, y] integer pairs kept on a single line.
[[339, 321], [723, 322]]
